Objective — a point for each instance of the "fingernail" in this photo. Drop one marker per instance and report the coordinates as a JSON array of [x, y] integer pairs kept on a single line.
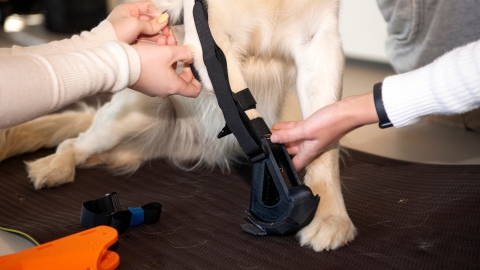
[[171, 33], [163, 18]]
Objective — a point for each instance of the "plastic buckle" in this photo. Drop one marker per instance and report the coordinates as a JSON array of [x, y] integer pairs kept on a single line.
[[115, 203]]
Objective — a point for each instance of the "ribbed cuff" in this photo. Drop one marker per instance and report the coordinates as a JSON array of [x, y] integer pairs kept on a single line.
[[405, 98], [122, 61], [449, 85], [134, 63]]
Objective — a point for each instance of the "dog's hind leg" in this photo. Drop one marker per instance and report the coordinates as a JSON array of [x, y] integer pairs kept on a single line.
[[44, 132], [123, 117]]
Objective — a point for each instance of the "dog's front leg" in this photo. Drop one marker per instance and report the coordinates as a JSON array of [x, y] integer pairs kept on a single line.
[[319, 60], [236, 80]]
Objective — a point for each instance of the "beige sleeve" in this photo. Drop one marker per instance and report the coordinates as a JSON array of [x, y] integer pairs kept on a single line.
[[32, 85], [87, 39]]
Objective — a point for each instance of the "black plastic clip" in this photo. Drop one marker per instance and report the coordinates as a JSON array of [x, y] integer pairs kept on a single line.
[[278, 207], [224, 132], [112, 204]]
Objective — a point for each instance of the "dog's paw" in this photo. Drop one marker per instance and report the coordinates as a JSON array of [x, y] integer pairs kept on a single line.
[[54, 170], [327, 232]]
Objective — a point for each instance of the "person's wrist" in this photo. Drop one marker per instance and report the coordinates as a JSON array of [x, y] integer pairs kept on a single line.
[[359, 110]]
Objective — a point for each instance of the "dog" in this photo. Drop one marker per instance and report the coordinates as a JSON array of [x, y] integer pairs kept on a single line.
[[273, 47]]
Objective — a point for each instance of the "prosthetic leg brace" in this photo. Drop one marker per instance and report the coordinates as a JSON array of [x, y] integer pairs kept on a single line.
[[277, 206]]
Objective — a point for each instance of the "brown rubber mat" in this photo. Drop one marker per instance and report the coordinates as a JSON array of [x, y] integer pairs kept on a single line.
[[409, 216]]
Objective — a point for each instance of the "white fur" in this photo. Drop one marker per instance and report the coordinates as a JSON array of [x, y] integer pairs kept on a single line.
[[272, 46]]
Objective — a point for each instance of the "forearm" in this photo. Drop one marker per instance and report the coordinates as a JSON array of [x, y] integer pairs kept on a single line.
[[356, 111], [87, 39], [34, 85], [449, 85]]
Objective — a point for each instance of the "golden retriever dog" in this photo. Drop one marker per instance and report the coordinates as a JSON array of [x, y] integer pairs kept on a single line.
[[273, 47]]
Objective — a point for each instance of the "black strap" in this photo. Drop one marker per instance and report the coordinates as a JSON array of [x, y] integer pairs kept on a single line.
[[236, 120], [107, 211], [274, 209], [384, 121], [245, 99]]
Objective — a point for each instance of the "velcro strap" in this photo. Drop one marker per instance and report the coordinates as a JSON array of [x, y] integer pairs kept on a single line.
[[107, 211], [260, 127], [245, 99], [215, 62]]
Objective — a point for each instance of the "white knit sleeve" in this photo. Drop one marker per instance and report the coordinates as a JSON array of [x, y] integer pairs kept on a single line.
[[34, 85], [449, 85]]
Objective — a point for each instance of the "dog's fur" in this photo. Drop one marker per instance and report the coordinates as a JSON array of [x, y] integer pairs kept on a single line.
[[272, 46]]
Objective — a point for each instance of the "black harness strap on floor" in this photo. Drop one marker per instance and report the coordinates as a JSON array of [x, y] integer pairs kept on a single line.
[[107, 211]]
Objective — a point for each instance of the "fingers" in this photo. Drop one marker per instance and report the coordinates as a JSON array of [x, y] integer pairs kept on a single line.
[[292, 148], [192, 86], [158, 39], [166, 38], [300, 161], [287, 132], [144, 10], [151, 27], [191, 89], [181, 53], [170, 40], [161, 41], [150, 21], [285, 125]]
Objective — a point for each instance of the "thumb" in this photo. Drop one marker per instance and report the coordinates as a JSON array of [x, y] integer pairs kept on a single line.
[[181, 53], [151, 27]]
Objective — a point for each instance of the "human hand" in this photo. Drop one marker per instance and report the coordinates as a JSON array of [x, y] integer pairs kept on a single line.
[[309, 138], [158, 76], [134, 19]]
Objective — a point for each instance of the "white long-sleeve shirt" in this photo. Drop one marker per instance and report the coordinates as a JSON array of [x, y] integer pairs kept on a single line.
[[41, 79], [449, 85]]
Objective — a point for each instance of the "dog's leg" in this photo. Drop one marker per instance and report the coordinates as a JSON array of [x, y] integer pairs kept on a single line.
[[125, 116], [319, 59], [44, 132]]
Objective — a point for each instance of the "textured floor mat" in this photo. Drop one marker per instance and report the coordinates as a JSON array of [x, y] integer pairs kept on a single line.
[[408, 215]]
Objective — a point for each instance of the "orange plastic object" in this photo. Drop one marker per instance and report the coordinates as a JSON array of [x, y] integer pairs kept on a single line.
[[86, 250]]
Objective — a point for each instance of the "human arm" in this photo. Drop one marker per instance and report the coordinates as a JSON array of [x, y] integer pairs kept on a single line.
[[125, 23], [449, 85], [35, 81], [308, 138], [34, 85]]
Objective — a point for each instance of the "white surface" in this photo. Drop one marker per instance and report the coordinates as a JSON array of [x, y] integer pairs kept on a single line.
[[363, 30], [424, 142], [11, 243]]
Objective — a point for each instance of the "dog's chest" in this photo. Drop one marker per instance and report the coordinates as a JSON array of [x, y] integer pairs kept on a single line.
[[248, 27]]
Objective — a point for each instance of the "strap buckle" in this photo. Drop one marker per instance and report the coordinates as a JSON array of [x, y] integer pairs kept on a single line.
[[112, 204]]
